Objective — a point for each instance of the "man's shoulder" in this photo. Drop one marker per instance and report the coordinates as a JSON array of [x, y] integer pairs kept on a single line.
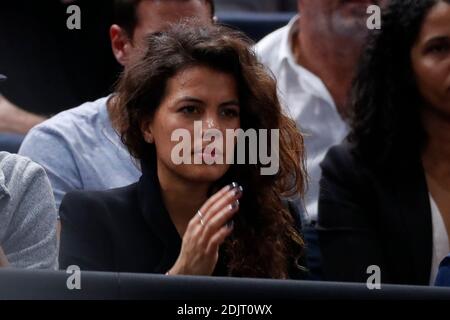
[[78, 118], [268, 48]]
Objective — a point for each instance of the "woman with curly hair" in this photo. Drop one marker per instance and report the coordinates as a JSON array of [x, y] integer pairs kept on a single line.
[[385, 192], [194, 219]]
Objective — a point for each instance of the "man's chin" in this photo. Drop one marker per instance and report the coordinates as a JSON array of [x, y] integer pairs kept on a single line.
[[351, 24], [356, 10]]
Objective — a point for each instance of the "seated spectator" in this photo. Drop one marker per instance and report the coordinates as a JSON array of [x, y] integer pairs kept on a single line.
[[80, 148], [314, 59], [27, 215], [187, 218], [385, 192]]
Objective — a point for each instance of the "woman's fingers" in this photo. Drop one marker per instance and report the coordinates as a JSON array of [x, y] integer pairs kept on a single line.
[[194, 229], [217, 239], [219, 220], [207, 230], [219, 194], [228, 198]]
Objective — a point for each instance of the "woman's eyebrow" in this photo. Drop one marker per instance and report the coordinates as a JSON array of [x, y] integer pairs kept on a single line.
[[437, 39], [189, 99], [230, 103]]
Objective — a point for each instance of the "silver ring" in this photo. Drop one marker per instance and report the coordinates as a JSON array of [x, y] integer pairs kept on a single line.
[[201, 217]]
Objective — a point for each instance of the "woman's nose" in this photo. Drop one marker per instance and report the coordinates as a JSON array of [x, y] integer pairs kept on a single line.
[[210, 123]]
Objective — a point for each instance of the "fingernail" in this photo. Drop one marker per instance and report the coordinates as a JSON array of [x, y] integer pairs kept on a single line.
[[237, 191], [234, 205], [234, 185]]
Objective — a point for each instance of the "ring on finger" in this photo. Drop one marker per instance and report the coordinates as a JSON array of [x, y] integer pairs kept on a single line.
[[200, 215]]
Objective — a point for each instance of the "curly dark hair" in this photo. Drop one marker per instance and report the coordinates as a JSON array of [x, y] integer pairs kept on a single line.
[[385, 100], [265, 241]]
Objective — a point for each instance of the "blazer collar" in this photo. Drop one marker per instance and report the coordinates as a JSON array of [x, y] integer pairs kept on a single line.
[[157, 217]]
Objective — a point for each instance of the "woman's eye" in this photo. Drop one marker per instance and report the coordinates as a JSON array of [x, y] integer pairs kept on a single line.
[[439, 48], [231, 113], [189, 110]]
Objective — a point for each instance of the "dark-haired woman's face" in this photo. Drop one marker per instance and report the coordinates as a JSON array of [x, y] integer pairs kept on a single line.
[[196, 98], [431, 58]]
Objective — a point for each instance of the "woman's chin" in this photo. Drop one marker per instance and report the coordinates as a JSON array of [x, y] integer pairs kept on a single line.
[[205, 173]]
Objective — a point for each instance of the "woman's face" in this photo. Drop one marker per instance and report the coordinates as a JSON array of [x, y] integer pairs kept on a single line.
[[431, 59], [202, 96]]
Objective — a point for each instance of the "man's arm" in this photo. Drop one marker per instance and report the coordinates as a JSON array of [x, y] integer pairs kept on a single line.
[[30, 240], [3, 259], [15, 120], [48, 146]]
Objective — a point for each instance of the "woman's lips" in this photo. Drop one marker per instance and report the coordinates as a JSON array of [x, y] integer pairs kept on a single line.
[[209, 155]]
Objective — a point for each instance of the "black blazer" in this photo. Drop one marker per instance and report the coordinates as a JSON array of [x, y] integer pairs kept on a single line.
[[370, 216], [123, 230]]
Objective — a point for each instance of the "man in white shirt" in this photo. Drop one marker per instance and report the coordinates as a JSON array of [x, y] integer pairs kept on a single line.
[[314, 59]]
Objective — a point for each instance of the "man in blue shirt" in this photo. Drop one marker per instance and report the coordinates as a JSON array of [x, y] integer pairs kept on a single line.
[[80, 148]]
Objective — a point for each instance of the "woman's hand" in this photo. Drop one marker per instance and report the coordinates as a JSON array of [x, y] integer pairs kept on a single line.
[[206, 231], [3, 260]]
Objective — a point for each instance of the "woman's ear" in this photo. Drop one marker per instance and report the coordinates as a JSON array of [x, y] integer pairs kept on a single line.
[[146, 129]]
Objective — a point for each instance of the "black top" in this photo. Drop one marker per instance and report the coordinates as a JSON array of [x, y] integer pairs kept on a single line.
[[374, 216], [122, 230]]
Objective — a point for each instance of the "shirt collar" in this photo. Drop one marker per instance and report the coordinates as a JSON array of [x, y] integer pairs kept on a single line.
[[285, 49], [313, 83]]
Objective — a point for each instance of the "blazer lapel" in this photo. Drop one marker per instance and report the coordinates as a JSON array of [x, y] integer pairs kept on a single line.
[[157, 217], [413, 206]]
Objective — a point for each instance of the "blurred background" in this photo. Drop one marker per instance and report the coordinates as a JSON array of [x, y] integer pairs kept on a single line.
[[51, 68]]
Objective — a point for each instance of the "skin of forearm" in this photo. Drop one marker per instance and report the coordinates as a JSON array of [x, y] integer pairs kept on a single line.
[[3, 259], [23, 121], [15, 120]]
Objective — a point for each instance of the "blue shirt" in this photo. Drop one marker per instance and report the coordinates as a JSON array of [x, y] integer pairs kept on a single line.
[[80, 150], [443, 276]]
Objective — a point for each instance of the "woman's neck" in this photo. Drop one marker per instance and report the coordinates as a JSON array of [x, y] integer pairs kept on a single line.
[[182, 198]]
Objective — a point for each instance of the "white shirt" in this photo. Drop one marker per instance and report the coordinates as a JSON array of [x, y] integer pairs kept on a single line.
[[440, 240], [307, 100]]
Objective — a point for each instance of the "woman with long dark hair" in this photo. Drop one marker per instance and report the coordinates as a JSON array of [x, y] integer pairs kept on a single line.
[[385, 192], [194, 218]]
